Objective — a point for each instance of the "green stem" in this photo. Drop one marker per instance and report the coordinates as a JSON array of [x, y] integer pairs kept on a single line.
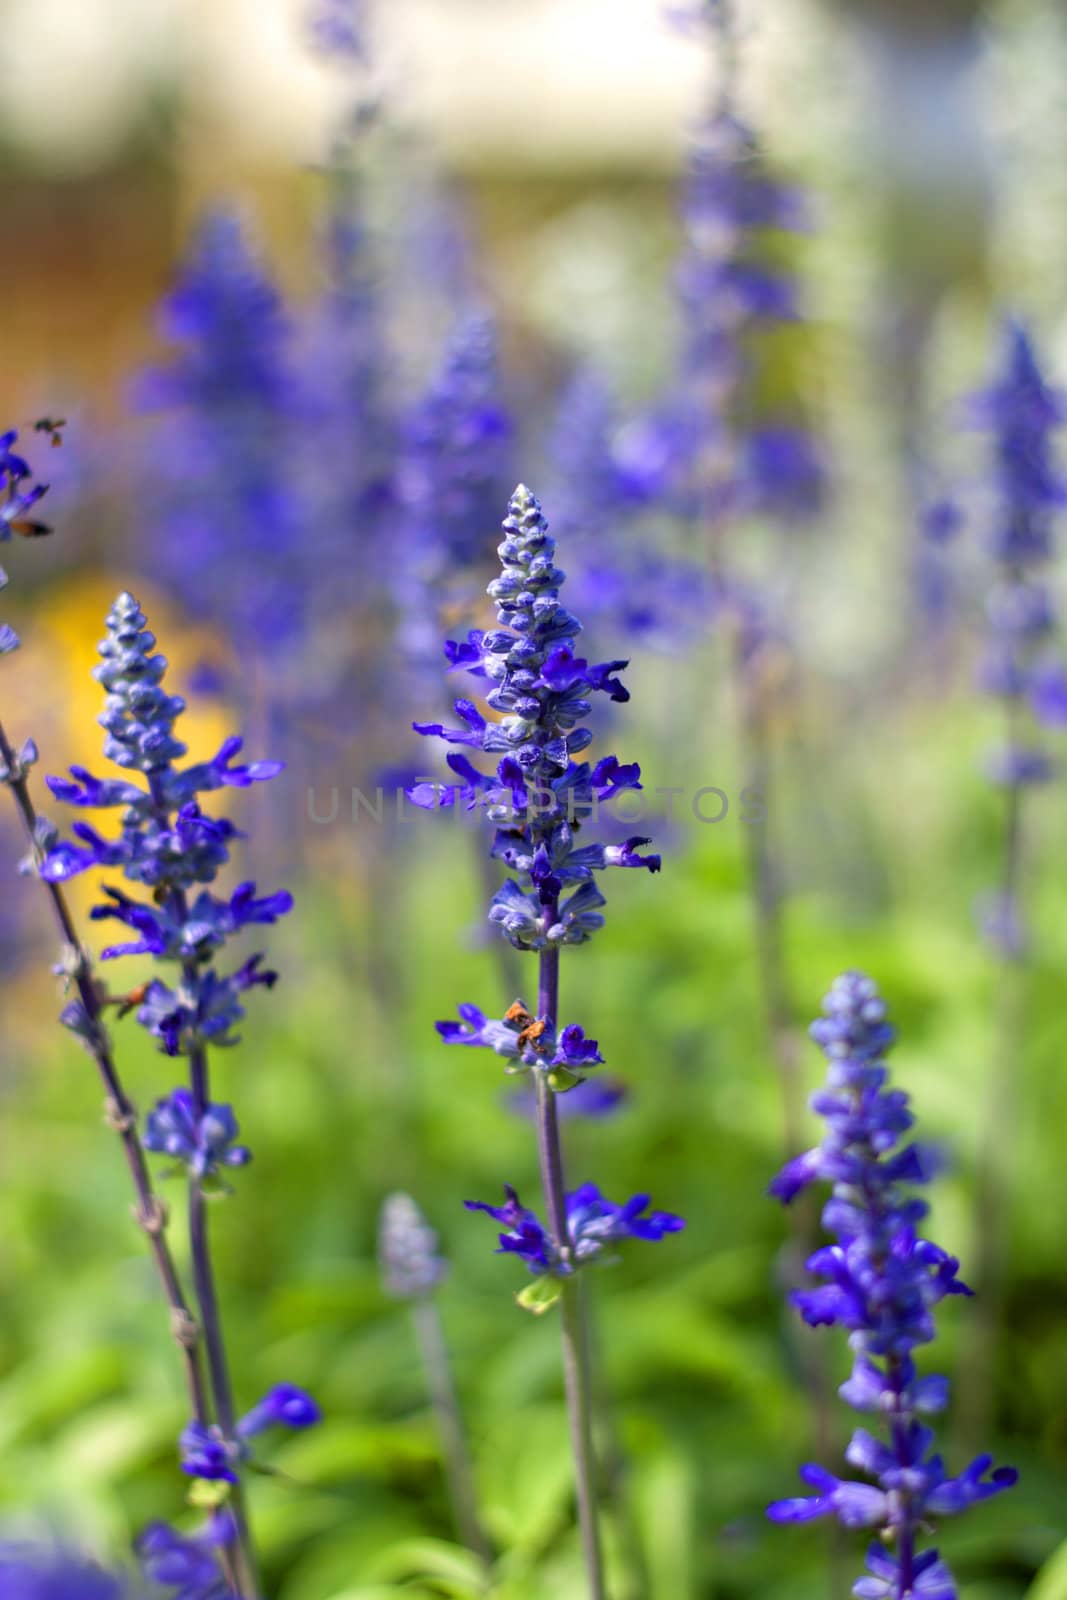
[[459, 1473], [243, 1555], [575, 1353]]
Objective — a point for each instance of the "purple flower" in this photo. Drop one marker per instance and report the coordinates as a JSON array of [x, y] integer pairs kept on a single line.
[[540, 795], [167, 844], [855, 1505], [16, 499], [204, 1143], [338, 28], [408, 1253], [187, 1563], [284, 1406], [882, 1283], [206, 1454], [525, 1039], [1019, 664], [785, 474], [593, 1224], [930, 1579], [33, 1572]]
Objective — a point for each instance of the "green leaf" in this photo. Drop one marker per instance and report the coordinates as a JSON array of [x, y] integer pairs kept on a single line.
[[208, 1495], [1051, 1581], [540, 1295], [446, 1563]]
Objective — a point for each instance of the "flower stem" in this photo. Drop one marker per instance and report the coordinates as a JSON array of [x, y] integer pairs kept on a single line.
[[992, 1179], [214, 1342], [458, 1470], [149, 1211], [575, 1351], [764, 875], [765, 889]]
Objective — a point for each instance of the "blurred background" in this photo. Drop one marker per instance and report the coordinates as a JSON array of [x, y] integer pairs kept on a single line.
[[312, 289]]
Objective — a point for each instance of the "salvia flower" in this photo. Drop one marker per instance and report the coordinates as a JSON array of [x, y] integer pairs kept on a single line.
[[338, 28], [525, 1041], [730, 288], [594, 1224], [882, 1283], [540, 796], [30, 1572], [167, 844], [408, 1252], [221, 465], [1019, 666], [204, 1143], [187, 1564], [452, 453], [207, 1453], [18, 496], [451, 476], [603, 477]]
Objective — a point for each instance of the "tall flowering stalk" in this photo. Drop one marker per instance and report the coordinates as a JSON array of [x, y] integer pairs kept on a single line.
[[604, 477], [1022, 669], [540, 799], [881, 1282], [43, 1572], [413, 1269], [451, 475], [1020, 666], [221, 467], [732, 287], [89, 1008], [170, 849]]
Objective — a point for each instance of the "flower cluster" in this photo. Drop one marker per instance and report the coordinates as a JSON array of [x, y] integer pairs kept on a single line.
[[539, 800], [187, 1564], [207, 1453], [18, 496], [883, 1282], [411, 1261], [203, 1144], [222, 452], [167, 844], [452, 453], [29, 1572], [539, 796], [604, 477], [729, 286], [593, 1225], [338, 28], [1020, 665], [526, 1041], [450, 475]]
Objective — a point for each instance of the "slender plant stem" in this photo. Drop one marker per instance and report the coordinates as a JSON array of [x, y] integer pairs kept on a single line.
[[614, 1465], [780, 1025], [767, 908], [214, 1342], [901, 1449], [445, 1401], [991, 1181], [575, 1351], [149, 1211]]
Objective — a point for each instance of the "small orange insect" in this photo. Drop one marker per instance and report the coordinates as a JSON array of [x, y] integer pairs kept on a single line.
[[53, 426], [127, 1002]]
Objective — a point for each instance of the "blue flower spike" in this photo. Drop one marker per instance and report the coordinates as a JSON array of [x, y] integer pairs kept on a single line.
[[882, 1283]]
